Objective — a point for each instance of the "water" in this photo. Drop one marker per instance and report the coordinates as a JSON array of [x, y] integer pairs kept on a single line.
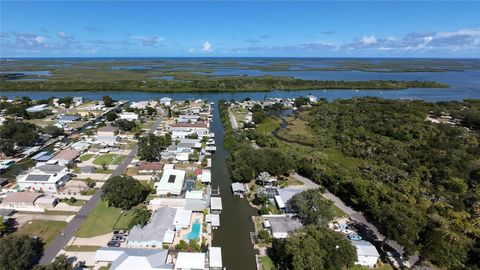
[[30, 73], [195, 233], [235, 221]]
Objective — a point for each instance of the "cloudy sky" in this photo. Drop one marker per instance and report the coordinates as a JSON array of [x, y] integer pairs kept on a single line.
[[226, 28]]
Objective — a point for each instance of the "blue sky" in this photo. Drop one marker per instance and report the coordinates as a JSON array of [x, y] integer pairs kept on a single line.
[[227, 28]]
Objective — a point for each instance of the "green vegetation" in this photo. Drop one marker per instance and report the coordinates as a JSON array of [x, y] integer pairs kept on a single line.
[[124, 192], [267, 263], [150, 147], [86, 157], [61, 262], [47, 230], [19, 251], [76, 248], [15, 133], [125, 221], [108, 215], [109, 159], [417, 181], [314, 248], [312, 208]]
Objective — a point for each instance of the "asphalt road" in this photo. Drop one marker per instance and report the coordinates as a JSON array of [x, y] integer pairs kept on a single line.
[[62, 239]]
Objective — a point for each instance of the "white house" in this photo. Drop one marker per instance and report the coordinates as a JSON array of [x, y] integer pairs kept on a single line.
[[47, 178], [166, 101], [182, 130], [171, 182], [37, 108], [130, 116], [367, 254], [134, 258], [190, 260], [312, 98]]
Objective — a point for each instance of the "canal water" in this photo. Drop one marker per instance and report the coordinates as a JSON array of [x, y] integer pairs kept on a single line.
[[235, 221]]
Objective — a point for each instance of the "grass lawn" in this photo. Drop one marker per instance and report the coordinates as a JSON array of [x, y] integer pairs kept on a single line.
[[339, 212], [100, 170], [132, 171], [109, 159], [45, 229], [269, 124], [100, 221], [377, 267], [124, 221], [82, 248], [77, 203], [267, 263], [86, 157], [292, 181]]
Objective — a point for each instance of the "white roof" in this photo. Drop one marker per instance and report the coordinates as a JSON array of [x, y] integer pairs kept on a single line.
[[280, 202], [216, 203], [365, 248], [206, 176], [182, 156], [189, 260], [171, 182], [168, 167], [215, 256], [214, 219], [168, 236], [182, 218], [195, 194]]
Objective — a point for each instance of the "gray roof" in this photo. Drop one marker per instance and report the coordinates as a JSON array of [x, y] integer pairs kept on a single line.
[[67, 118], [284, 224], [365, 248], [51, 168], [196, 205], [156, 257], [238, 187], [287, 193], [160, 222]]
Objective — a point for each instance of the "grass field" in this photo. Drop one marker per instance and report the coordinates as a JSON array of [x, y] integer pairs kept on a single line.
[[108, 159], [47, 230], [86, 157], [378, 267], [269, 125], [108, 217], [267, 263], [75, 248], [124, 221]]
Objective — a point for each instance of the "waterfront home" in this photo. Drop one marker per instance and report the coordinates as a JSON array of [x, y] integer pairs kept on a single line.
[[215, 258], [37, 108], [171, 182], [159, 231], [46, 178], [182, 219], [130, 116], [214, 220], [205, 177], [166, 101], [238, 189], [134, 258], [282, 226], [183, 130], [367, 254]]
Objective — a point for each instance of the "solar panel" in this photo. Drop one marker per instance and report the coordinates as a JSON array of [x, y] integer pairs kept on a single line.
[[38, 177]]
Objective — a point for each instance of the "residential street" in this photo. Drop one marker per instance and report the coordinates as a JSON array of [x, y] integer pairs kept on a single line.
[[62, 240], [356, 216]]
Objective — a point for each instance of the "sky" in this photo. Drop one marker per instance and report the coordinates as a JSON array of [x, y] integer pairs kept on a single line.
[[240, 29]]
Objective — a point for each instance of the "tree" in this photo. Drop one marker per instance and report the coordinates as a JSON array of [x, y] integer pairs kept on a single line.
[[3, 227], [53, 131], [90, 182], [61, 262], [20, 251], [123, 192], [265, 236], [150, 147], [108, 101], [125, 125], [111, 115], [299, 102], [312, 208], [314, 248], [141, 217]]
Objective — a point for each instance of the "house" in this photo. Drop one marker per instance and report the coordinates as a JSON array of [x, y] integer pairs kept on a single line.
[[182, 130], [66, 156], [66, 119], [20, 200], [166, 101], [46, 178], [215, 205], [150, 167], [130, 116], [282, 226], [77, 100], [46, 202], [238, 189], [215, 258], [37, 108], [182, 219], [213, 219], [312, 98], [171, 182], [367, 254], [139, 105], [284, 195], [81, 145], [107, 131], [190, 261], [160, 230], [134, 258], [42, 156], [206, 177]]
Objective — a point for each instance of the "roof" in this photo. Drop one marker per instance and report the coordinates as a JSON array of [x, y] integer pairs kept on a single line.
[[47, 200], [287, 193], [365, 248], [182, 218], [160, 222], [38, 177], [190, 125], [214, 219], [238, 187], [194, 194], [195, 205], [68, 118], [190, 260], [284, 224], [21, 197], [216, 203], [133, 258], [206, 176], [215, 256], [150, 166], [280, 202], [67, 154], [51, 168], [172, 181], [107, 129]]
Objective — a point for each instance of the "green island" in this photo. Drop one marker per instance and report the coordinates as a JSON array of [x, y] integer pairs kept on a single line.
[[411, 167]]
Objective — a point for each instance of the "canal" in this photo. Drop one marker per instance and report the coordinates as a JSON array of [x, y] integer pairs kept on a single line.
[[235, 221]]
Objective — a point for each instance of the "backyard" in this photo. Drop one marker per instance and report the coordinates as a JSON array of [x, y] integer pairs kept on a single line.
[[109, 159]]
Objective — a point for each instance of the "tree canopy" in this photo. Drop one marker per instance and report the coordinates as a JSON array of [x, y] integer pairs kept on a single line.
[[312, 208], [150, 147], [19, 252], [124, 192]]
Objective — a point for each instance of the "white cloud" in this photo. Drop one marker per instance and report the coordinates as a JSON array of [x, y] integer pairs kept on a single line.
[[61, 34], [368, 40], [40, 39], [191, 50], [207, 47]]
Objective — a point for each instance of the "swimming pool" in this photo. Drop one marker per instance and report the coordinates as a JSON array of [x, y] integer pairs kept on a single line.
[[194, 233]]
